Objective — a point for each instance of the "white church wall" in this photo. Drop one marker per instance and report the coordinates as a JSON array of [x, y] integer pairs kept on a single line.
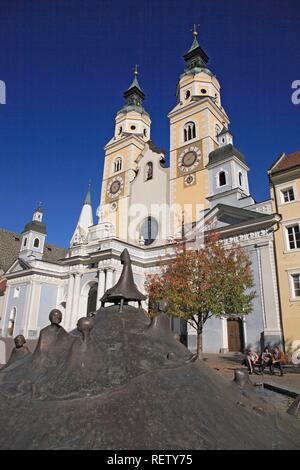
[[48, 299], [16, 302], [152, 194]]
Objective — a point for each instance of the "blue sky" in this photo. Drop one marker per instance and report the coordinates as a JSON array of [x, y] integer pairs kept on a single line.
[[66, 64]]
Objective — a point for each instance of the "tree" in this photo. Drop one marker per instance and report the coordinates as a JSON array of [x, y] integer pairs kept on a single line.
[[212, 280]]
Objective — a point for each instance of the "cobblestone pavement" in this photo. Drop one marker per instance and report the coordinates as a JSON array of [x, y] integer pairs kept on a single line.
[[225, 364]]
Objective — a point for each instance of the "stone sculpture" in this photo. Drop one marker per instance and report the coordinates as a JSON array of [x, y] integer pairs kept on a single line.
[[124, 383]]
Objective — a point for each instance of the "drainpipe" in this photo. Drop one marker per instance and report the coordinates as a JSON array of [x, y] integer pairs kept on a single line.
[[276, 262]]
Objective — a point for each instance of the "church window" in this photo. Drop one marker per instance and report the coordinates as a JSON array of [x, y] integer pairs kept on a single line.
[[187, 94], [218, 130], [118, 164], [145, 132], [222, 178], [25, 241], [149, 230], [149, 171], [12, 320], [203, 91], [189, 131], [240, 179], [133, 128], [120, 130], [36, 243]]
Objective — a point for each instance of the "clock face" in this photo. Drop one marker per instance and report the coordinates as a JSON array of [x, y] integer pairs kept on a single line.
[[115, 187], [189, 180], [189, 159]]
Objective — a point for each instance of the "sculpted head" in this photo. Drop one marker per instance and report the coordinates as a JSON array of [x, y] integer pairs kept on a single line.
[[85, 324], [19, 341], [55, 317]]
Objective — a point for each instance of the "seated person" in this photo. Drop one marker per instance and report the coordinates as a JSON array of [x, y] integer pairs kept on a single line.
[[278, 360], [266, 360], [53, 339], [19, 352], [251, 361]]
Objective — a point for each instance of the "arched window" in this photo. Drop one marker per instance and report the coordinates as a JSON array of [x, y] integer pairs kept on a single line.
[[118, 164], [92, 299], [36, 243], [222, 178], [149, 171], [189, 131], [240, 179], [12, 320], [25, 241], [149, 230]]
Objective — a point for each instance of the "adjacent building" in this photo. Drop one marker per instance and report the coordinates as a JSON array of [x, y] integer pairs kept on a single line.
[[284, 176]]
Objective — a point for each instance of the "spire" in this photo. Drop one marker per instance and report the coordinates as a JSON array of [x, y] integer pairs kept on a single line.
[[135, 83], [134, 95], [85, 221], [195, 41], [195, 56], [88, 199]]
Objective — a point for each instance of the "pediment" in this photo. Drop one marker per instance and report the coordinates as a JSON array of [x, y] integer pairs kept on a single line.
[[17, 266], [223, 215]]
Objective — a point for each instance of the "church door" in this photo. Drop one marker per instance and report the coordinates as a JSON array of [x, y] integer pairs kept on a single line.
[[235, 334], [92, 299]]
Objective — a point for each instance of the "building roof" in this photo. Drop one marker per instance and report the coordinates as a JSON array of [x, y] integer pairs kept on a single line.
[[286, 162], [10, 244], [224, 152]]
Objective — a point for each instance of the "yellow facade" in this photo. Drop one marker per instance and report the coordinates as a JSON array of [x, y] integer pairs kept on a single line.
[[199, 102], [132, 130], [285, 185]]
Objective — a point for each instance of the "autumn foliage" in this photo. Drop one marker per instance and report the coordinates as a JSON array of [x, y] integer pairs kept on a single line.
[[212, 280]]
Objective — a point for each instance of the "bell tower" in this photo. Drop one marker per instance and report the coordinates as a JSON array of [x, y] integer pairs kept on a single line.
[[195, 123], [132, 131]]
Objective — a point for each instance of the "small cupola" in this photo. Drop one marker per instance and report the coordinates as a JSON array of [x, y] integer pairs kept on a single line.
[[225, 137], [33, 236]]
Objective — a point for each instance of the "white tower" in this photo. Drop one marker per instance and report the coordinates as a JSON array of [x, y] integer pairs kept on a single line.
[[33, 237]]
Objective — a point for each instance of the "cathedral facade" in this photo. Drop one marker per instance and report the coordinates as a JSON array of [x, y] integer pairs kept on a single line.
[[146, 206]]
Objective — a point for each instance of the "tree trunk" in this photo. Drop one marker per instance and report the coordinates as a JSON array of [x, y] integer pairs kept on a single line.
[[199, 340]]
